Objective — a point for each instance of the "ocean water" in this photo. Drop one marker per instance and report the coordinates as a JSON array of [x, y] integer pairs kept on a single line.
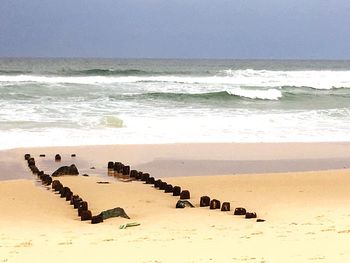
[[49, 102]]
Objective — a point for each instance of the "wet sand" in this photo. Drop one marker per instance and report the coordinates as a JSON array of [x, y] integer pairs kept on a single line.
[[168, 160]]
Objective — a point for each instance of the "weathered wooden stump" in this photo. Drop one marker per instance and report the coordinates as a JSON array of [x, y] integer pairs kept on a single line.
[[46, 179], [157, 183], [185, 194], [126, 170], [86, 215], [138, 176], [58, 158], [176, 190], [110, 165], [144, 177], [77, 202], [73, 197], [204, 201], [69, 195], [82, 207], [64, 191], [34, 169], [225, 206], [168, 188], [249, 215], [162, 185], [150, 180], [215, 204], [240, 211], [133, 173], [55, 184], [31, 161], [118, 167]]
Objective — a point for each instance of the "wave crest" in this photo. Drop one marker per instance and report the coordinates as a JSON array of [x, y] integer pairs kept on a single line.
[[270, 94]]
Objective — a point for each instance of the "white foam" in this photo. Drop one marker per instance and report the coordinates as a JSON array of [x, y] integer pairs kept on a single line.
[[318, 79], [238, 78], [184, 125], [270, 94]]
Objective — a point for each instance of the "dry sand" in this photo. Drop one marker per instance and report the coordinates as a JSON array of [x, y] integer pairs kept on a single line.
[[307, 213]]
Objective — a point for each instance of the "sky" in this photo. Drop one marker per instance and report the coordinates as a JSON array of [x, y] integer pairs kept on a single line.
[[241, 29]]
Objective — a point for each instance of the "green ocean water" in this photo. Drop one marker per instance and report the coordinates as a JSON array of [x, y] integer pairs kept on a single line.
[[105, 101]]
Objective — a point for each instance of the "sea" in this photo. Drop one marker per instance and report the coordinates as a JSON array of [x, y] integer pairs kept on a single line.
[[60, 101]]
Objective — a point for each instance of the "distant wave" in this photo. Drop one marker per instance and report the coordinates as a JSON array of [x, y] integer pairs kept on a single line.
[[317, 79], [123, 72], [286, 93], [13, 72], [106, 72], [270, 94]]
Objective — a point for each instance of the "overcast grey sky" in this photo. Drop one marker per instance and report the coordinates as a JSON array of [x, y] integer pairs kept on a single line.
[[295, 29]]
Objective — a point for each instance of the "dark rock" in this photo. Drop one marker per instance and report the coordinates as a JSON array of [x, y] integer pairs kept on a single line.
[[86, 215], [157, 183], [93, 168], [40, 173], [168, 188], [215, 204], [162, 185], [66, 170], [205, 201], [240, 211], [85, 175], [97, 219], [260, 220], [42, 155], [183, 204], [57, 157], [114, 212], [82, 207], [150, 180], [185, 194], [73, 155], [110, 165], [249, 215], [225, 206], [176, 190], [126, 170], [26, 156]]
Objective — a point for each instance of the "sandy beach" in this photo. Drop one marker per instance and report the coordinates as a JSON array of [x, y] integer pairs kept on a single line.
[[300, 189]]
